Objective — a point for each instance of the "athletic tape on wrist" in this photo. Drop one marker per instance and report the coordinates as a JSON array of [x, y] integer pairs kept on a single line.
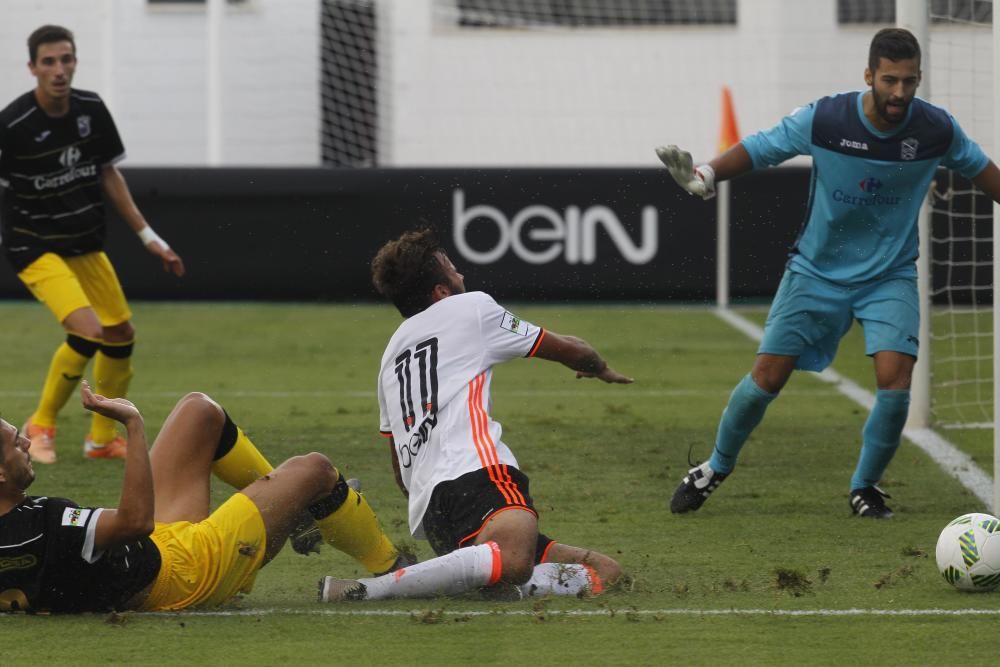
[[707, 175], [147, 236]]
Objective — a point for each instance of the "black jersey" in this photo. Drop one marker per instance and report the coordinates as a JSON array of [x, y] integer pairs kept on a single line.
[[48, 561], [51, 171]]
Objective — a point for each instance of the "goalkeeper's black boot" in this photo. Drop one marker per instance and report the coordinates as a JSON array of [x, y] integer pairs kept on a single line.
[[869, 502], [695, 488]]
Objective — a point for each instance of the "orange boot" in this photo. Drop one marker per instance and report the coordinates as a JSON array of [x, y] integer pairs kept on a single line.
[[43, 441]]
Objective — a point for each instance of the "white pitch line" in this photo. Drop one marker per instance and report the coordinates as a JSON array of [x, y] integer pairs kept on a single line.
[[955, 462], [584, 612], [569, 613], [516, 393]]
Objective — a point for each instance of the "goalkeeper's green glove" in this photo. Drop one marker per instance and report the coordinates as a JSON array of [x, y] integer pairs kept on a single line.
[[699, 181]]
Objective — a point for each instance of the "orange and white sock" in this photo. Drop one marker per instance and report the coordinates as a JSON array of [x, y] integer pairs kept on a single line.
[[461, 570]]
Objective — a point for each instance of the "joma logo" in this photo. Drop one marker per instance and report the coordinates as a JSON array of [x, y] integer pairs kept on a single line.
[[856, 145]]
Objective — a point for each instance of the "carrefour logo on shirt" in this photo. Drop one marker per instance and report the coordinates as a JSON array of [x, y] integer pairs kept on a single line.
[[870, 186]]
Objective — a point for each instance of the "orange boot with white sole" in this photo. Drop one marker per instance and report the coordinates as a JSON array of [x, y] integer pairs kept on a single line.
[[43, 441], [116, 448]]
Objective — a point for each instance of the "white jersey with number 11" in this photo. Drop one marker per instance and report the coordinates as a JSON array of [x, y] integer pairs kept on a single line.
[[434, 393]]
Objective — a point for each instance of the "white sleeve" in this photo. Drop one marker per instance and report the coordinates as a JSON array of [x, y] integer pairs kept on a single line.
[[384, 427], [87, 553], [505, 335]]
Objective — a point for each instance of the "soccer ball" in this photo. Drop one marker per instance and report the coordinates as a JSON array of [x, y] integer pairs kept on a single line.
[[968, 552]]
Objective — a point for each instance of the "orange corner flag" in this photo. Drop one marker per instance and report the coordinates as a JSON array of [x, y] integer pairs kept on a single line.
[[729, 133]]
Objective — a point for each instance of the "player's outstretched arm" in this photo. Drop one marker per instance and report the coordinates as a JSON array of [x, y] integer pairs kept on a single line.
[[988, 180], [116, 189], [700, 181], [578, 355], [134, 516]]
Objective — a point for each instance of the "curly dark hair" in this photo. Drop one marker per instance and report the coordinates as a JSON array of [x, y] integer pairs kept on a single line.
[[49, 34], [406, 270], [893, 44]]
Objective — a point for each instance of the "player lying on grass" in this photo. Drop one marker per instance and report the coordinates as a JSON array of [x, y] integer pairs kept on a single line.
[[466, 494], [161, 548], [874, 154]]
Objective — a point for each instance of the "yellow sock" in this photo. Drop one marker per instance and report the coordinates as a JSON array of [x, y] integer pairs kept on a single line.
[[65, 371], [239, 462], [354, 529], [112, 374]]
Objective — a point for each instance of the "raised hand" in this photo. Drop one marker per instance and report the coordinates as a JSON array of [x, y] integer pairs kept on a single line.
[[119, 409], [699, 181]]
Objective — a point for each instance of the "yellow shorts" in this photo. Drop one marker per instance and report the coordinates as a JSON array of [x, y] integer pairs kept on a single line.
[[66, 284], [209, 562]]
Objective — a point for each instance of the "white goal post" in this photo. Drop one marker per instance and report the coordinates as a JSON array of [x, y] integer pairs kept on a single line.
[[913, 15], [954, 382], [996, 267]]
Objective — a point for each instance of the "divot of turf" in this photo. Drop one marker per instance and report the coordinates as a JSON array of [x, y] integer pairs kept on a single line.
[[915, 552], [733, 586], [902, 572], [791, 581], [428, 616]]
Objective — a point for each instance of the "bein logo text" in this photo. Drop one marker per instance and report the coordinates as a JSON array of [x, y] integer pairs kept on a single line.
[[571, 234]]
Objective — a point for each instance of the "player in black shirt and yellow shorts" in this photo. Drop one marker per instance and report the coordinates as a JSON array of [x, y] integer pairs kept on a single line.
[[58, 148], [162, 548]]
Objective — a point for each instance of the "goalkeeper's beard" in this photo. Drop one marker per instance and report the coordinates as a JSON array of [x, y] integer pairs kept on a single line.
[[882, 108]]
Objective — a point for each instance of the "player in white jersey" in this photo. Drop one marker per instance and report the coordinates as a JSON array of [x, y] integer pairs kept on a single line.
[[466, 494]]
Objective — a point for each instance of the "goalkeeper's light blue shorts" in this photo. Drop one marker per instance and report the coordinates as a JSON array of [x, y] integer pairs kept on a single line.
[[809, 316]]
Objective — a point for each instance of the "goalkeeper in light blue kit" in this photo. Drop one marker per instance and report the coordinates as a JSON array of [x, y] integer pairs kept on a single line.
[[874, 154]]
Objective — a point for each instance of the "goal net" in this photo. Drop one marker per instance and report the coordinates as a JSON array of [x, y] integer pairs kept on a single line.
[[962, 77], [488, 83], [348, 83]]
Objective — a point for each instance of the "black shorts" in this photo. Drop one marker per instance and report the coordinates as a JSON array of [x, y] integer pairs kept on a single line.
[[459, 507]]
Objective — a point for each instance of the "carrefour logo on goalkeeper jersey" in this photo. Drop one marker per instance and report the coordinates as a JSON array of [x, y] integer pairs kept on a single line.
[[870, 187], [870, 184]]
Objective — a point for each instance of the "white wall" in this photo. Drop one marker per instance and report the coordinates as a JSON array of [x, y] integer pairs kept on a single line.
[[962, 80], [606, 97], [149, 64], [451, 96]]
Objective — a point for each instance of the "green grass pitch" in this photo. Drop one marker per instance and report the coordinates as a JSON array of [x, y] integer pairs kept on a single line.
[[766, 573]]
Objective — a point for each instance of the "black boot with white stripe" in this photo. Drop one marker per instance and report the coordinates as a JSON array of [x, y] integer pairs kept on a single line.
[[695, 488], [869, 502]]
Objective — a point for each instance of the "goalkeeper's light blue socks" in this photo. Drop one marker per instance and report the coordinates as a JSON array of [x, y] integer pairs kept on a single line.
[[746, 408], [748, 403], [881, 436]]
